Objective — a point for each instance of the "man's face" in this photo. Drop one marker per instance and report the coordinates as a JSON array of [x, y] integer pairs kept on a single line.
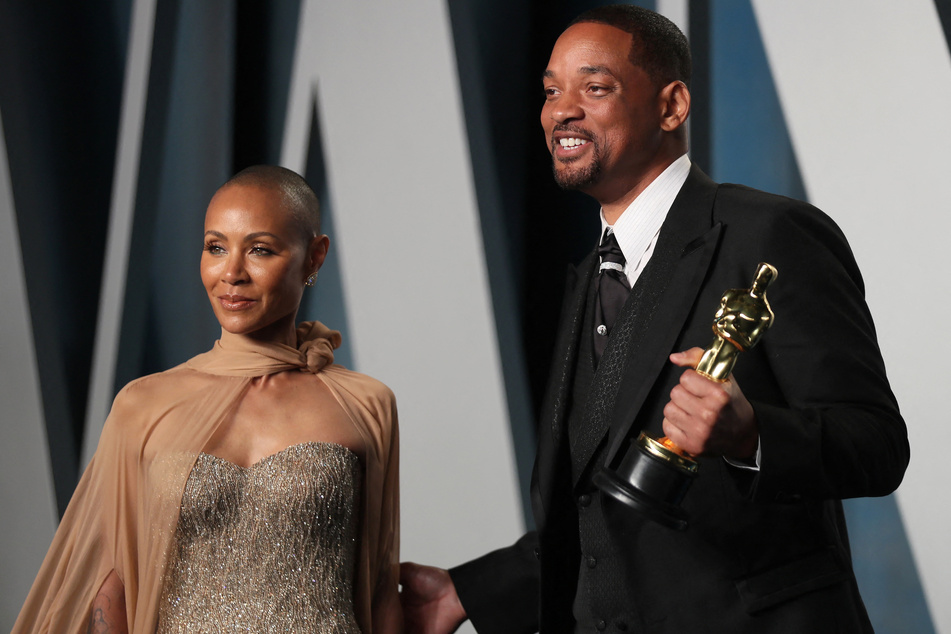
[[602, 113]]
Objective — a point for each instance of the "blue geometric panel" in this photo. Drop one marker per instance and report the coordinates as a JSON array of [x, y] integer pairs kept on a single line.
[[750, 144], [325, 302], [881, 556]]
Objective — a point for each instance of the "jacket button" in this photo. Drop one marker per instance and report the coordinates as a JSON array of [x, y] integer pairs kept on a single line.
[[584, 500], [601, 626], [538, 553], [591, 562]]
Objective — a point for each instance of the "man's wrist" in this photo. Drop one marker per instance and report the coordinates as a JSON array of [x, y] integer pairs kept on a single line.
[[752, 463]]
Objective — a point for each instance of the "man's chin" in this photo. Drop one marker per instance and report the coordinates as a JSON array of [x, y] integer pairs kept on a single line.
[[577, 179], [577, 173]]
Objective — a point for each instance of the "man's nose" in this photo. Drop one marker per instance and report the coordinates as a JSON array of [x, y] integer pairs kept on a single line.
[[566, 108]]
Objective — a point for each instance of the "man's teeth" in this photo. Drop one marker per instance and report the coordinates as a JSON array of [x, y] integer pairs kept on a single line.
[[572, 142]]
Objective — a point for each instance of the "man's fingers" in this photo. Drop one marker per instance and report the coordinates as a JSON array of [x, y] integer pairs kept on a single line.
[[688, 358]]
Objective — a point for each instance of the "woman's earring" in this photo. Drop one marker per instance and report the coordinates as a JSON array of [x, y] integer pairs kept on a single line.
[[311, 279]]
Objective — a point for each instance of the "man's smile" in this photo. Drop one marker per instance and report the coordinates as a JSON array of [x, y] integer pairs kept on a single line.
[[571, 142]]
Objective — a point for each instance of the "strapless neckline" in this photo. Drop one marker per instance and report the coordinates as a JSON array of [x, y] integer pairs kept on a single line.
[[268, 547], [295, 448]]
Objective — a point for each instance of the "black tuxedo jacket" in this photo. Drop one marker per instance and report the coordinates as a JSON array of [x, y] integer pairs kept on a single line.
[[766, 551]]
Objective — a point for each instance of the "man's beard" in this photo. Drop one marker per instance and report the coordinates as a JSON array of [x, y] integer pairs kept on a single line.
[[580, 178]]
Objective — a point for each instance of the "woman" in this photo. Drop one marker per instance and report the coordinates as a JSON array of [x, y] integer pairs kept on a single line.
[[252, 488]]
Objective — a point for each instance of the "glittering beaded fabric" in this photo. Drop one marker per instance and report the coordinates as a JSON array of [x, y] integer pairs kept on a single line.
[[268, 548]]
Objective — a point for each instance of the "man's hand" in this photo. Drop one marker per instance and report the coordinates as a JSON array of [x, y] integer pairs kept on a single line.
[[430, 602], [709, 418]]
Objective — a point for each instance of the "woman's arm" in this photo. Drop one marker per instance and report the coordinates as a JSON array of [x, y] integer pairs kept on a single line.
[[387, 612], [108, 608]]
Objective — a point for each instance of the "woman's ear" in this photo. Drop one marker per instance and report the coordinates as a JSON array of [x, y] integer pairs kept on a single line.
[[317, 252]]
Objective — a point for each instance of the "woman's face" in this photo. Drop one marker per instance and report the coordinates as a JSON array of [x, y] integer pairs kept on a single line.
[[255, 261]]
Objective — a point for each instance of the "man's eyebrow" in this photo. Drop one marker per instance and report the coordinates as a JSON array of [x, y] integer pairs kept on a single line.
[[595, 70], [584, 70]]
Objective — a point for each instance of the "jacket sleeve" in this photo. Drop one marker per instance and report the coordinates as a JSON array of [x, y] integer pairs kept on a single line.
[[835, 430], [500, 590]]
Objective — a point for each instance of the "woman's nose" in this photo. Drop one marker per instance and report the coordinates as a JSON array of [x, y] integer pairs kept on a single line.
[[235, 271]]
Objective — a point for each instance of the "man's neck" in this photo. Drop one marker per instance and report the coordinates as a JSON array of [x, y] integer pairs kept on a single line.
[[613, 207], [659, 189], [614, 202]]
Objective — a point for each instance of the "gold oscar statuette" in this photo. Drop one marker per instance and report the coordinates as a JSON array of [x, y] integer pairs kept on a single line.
[[655, 473]]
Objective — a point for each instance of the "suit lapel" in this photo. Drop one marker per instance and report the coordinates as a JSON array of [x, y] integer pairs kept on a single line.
[[650, 321], [553, 419], [651, 352], [567, 342]]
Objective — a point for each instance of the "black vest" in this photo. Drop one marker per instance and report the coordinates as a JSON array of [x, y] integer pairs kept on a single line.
[[601, 603]]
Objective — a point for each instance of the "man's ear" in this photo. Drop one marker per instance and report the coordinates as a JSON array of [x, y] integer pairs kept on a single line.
[[674, 101]]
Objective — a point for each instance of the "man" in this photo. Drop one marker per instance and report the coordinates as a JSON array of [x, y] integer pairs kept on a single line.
[[807, 417]]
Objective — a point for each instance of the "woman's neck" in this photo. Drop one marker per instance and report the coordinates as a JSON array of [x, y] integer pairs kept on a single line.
[[283, 331]]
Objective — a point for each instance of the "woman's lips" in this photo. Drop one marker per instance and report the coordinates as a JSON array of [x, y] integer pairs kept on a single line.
[[235, 302]]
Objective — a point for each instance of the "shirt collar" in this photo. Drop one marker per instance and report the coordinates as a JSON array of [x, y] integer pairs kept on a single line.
[[639, 224]]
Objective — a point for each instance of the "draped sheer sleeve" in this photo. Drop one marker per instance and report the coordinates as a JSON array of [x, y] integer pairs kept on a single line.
[[371, 407], [123, 513]]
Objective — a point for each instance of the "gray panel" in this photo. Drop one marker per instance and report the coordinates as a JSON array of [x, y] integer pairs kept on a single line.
[[26, 483]]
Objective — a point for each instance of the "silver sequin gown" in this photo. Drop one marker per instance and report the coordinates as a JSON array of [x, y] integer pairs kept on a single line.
[[268, 548]]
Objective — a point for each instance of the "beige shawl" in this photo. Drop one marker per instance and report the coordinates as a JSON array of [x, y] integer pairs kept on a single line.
[[124, 512]]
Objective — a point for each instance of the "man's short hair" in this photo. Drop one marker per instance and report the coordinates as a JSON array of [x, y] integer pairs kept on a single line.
[[659, 47], [299, 198]]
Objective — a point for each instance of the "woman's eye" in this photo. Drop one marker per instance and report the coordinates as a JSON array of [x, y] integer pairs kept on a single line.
[[214, 249], [261, 251]]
